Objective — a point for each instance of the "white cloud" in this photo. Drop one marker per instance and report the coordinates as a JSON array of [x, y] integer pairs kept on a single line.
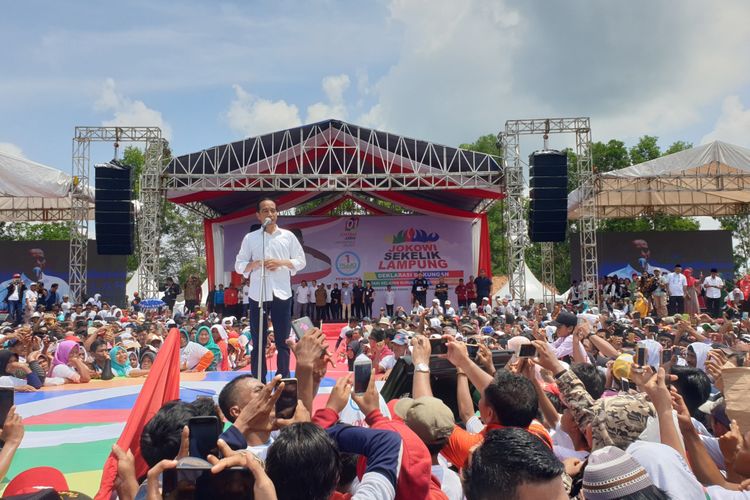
[[251, 115], [733, 125], [11, 149], [334, 88], [634, 67], [128, 112]]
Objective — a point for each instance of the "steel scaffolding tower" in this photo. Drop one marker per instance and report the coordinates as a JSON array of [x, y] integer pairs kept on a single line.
[[151, 199], [514, 213]]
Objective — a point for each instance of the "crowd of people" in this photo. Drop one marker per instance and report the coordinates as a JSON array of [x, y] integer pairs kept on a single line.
[[620, 399]]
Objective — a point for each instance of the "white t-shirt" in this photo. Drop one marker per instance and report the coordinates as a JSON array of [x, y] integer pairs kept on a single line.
[[710, 282], [31, 298], [450, 483], [65, 307], [390, 297], [14, 295], [301, 295], [311, 293], [388, 362], [66, 372], [344, 330], [11, 381], [676, 283]]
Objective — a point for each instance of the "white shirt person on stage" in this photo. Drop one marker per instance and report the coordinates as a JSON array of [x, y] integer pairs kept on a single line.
[[284, 256]]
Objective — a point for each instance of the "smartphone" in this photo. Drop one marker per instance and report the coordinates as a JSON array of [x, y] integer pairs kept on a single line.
[[641, 356], [7, 399], [301, 326], [473, 350], [439, 346], [287, 402], [192, 479], [204, 432], [625, 385], [666, 356], [527, 351], [362, 374]]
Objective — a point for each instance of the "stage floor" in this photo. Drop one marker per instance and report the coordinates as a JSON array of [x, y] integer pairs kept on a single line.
[[73, 427]]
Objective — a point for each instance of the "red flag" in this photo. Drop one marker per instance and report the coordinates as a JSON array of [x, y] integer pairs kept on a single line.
[[162, 385]]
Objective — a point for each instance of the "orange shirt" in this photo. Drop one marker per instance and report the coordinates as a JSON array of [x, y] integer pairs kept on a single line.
[[461, 442]]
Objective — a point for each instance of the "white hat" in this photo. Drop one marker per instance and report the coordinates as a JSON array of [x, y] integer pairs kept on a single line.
[[436, 301], [447, 302]]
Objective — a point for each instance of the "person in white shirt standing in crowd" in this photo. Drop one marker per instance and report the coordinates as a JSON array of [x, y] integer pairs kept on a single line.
[[311, 299], [31, 296], [284, 256], [676, 287], [246, 298], [659, 295], [713, 286], [302, 297], [390, 300]]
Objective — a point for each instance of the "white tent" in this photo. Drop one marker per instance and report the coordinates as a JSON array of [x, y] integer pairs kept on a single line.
[[30, 191], [534, 288], [711, 180]]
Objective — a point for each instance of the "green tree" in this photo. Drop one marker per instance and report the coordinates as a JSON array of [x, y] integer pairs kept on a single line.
[[646, 149], [34, 231], [740, 227], [678, 146]]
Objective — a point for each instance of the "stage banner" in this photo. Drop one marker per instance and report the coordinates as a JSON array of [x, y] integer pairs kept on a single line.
[[624, 254], [387, 250], [47, 261]]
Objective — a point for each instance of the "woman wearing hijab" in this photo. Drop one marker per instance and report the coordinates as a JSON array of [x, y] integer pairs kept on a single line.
[[18, 375], [220, 337], [353, 349], [147, 359], [696, 355], [120, 359], [193, 356], [204, 337], [67, 363]]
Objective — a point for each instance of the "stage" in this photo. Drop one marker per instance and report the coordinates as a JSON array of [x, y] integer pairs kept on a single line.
[[73, 427]]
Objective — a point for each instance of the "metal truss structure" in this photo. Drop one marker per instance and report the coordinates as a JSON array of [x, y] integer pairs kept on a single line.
[[19, 209], [514, 213], [332, 156], [151, 199]]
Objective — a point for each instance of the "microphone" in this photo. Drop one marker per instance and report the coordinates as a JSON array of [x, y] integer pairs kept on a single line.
[[267, 223]]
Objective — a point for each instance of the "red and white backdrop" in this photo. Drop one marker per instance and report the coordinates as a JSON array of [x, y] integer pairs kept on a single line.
[[382, 249]]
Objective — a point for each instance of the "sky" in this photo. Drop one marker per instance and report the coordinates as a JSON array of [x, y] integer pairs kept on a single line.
[[212, 72]]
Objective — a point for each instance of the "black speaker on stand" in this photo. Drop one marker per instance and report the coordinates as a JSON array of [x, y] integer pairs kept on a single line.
[[548, 180], [114, 214]]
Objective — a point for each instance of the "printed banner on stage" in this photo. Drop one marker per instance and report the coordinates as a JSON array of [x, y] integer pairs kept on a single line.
[[47, 261], [624, 254], [387, 250]]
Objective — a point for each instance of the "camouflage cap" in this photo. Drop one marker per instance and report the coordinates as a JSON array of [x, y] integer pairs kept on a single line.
[[619, 420]]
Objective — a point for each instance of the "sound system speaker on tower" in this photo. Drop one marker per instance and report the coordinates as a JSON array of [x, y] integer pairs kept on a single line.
[[114, 216], [548, 183]]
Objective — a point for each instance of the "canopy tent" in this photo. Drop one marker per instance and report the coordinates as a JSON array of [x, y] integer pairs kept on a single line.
[[30, 191], [710, 180], [333, 161], [534, 288]]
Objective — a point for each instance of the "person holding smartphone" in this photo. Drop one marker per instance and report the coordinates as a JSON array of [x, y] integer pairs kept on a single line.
[[283, 258]]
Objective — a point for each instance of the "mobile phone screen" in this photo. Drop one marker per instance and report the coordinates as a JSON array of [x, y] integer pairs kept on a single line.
[[625, 385], [473, 350], [666, 355], [438, 346], [7, 397], [198, 482], [204, 432], [287, 402], [362, 373], [641, 356], [301, 326], [527, 351]]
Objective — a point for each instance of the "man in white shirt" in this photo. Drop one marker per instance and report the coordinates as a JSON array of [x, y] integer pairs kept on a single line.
[[246, 299], [311, 299], [676, 288], [284, 256], [302, 297], [390, 300], [713, 285], [565, 324]]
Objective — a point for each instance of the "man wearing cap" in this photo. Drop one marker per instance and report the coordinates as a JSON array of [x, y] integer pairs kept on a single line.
[[399, 348], [432, 421], [565, 324], [677, 289], [449, 310], [713, 285], [16, 291]]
